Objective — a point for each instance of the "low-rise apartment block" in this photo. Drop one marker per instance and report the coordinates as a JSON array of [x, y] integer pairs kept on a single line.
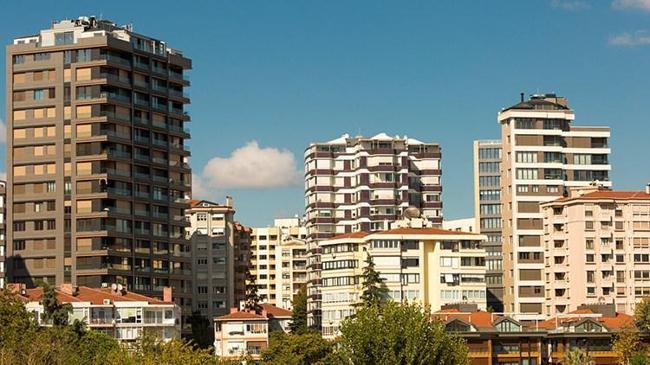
[[279, 261], [497, 339], [597, 249], [112, 310], [219, 257], [244, 333], [427, 265]]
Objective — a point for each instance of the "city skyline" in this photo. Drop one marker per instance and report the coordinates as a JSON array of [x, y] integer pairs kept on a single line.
[[265, 82]]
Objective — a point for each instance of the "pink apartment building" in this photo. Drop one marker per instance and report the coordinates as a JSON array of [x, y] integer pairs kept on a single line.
[[597, 249]]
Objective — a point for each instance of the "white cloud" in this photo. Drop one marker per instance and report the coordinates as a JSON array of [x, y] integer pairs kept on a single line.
[[638, 38], [249, 167], [570, 5], [632, 4], [3, 132]]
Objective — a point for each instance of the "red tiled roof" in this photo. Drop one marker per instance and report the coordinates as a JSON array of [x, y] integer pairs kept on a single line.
[[92, 295], [619, 321], [424, 231], [479, 319], [241, 315], [609, 194], [276, 311]]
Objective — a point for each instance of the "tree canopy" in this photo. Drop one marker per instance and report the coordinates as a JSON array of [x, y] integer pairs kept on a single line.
[[398, 334], [299, 317], [374, 290]]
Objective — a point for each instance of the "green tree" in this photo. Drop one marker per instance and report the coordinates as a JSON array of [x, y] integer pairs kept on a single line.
[[626, 344], [251, 298], [298, 323], [306, 348], [54, 312], [640, 358], [398, 333], [642, 315], [374, 290], [202, 333], [577, 356]]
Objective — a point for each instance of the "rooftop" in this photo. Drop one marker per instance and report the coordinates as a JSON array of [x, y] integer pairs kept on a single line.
[[70, 31], [95, 296], [541, 102], [266, 311]]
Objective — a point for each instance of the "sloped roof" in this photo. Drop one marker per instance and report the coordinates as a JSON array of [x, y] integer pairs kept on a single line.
[[92, 295], [277, 312], [360, 234], [609, 194], [611, 323], [481, 320]]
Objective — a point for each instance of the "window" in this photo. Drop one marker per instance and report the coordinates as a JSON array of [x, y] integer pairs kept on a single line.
[[39, 94], [18, 59], [527, 174], [581, 159], [41, 56], [527, 157], [64, 38], [19, 245]]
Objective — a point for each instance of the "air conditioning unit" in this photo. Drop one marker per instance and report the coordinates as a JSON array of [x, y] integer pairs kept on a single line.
[[107, 302]]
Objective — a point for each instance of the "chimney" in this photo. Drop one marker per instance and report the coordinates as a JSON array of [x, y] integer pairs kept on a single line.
[[234, 310], [647, 189], [229, 201], [167, 294], [521, 96]]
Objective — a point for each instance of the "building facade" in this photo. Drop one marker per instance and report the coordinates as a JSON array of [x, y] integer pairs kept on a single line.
[[3, 248], [216, 240], [244, 333], [111, 310], [487, 212], [427, 265], [597, 249], [355, 184], [543, 155], [279, 261], [97, 167]]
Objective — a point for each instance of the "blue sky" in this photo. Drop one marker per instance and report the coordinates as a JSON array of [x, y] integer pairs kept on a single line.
[[271, 76]]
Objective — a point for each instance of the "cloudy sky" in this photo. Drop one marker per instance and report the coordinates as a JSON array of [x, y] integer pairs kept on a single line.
[[270, 77]]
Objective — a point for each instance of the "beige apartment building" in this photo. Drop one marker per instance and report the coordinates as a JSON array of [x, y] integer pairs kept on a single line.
[[220, 257], [597, 249], [97, 167], [428, 265], [279, 261], [487, 213], [355, 184], [543, 155], [113, 310]]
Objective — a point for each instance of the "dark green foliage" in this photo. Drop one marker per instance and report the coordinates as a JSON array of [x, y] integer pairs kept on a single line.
[[202, 332], [251, 299], [374, 289], [53, 312], [299, 317]]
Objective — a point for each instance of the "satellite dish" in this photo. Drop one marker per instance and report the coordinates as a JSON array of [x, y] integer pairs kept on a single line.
[[114, 287], [119, 287], [411, 212]]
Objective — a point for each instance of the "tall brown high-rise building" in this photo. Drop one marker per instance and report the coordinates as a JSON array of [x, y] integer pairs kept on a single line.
[[543, 156], [97, 166]]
